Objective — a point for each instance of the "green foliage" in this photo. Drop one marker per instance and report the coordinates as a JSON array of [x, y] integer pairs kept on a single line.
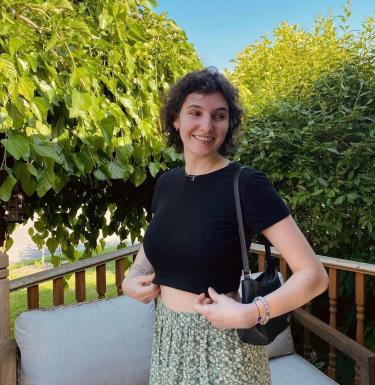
[[321, 154], [316, 139], [80, 92], [310, 125], [288, 63]]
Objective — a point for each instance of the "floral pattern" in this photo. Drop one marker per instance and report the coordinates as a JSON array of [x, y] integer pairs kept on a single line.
[[188, 350]]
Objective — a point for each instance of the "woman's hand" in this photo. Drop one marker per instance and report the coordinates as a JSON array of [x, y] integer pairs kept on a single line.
[[141, 287], [224, 312]]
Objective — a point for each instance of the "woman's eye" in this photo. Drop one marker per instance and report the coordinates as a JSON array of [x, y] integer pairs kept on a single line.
[[195, 113], [219, 117]]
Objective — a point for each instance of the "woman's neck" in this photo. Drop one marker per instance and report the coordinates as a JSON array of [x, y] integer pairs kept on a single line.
[[194, 166]]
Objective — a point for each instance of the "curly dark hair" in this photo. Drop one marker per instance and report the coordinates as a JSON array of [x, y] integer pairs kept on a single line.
[[204, 82]]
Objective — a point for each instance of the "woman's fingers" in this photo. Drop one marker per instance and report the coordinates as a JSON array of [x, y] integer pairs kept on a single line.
[[147, 293], [146, 279]]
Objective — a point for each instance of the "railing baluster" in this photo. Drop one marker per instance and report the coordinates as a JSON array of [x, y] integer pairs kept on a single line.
[[283, 268], [360, 298], [80, 283], [58, 291], [261, 262], [332, 294], [120, 269], [307, 336], [101, 280], [33, 297]]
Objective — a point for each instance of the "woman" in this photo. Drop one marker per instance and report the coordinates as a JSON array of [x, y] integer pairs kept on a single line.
[[191, 259]]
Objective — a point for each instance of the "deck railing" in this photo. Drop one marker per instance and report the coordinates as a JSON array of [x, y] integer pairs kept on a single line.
[[333, 265]]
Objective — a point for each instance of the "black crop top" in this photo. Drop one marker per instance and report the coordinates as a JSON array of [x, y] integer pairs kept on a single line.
[[192, 240]]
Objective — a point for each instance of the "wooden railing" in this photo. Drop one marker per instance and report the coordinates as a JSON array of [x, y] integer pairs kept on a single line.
[[334, 266], [32, 282]]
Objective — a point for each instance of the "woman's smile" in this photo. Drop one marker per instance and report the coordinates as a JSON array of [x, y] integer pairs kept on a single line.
[[203, 138]]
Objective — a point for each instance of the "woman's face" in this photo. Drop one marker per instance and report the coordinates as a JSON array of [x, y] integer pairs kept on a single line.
[[203, 123]]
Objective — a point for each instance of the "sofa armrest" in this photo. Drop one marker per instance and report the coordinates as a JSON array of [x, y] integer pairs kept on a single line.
[[364, 357], [8, 363]]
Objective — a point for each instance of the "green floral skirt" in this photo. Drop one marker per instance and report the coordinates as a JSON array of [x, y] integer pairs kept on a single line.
[[188, 350]]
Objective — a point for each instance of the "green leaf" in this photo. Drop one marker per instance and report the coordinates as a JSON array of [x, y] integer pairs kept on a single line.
[[28, 186], [32, 170], [26, 87], [105, 20], [80, 103], [8, 243], [45, 183], [16, 144], [154, 168], [15, 43], [339, 200], [323, 182], [115, 171], [333, 150], [40, 108], [138, 176], [7, 187], [107, 126], [99, 174], [55, 260], [52, 244], [7, 67], [123, 153], [48, 151], [64, 4]]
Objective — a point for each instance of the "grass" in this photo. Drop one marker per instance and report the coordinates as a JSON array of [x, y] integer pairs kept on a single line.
[[18, 299]]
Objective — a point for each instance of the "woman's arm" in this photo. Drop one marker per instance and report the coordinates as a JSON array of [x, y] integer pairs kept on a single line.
[[138, 282], [308, 280], [141, 265], [309, 277]]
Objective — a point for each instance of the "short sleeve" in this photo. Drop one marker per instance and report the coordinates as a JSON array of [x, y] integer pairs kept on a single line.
[[161, 181], [262, 206]]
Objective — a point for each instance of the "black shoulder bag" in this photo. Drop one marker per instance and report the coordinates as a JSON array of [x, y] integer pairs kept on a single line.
[[265, 283]]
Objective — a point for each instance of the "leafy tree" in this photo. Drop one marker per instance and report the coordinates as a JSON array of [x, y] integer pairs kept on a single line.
[[80, 90]]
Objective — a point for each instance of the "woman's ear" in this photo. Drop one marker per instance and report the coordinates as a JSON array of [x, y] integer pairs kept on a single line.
[[176, 124]]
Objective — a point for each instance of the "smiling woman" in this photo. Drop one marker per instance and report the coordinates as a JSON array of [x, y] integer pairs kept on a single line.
[[191, 249]]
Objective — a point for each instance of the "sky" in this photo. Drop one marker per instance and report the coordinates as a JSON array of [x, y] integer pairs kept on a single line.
[[219, 29]]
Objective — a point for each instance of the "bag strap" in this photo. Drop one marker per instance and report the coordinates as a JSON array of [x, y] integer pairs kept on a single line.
[[270, 261], [245, 260]]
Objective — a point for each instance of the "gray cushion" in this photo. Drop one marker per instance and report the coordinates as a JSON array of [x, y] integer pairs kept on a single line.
[[282, 344], [294, 370], [103, 342]]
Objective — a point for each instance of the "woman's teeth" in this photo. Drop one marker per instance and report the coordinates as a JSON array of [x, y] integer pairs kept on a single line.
[[203, 138]]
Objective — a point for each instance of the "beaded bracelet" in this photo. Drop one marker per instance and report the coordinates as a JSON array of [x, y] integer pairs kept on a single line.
[[267, 307], [259, 316]]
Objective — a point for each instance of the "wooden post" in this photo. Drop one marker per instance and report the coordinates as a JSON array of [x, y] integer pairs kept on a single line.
[[261, 262], [4, 298], [101, 280], [120, 269], [7, 347], [332, 294], [360, 298], [80, 285], [307, 336]]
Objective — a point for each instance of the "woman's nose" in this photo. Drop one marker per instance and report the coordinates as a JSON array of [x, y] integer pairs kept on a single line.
[[206, 123]]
